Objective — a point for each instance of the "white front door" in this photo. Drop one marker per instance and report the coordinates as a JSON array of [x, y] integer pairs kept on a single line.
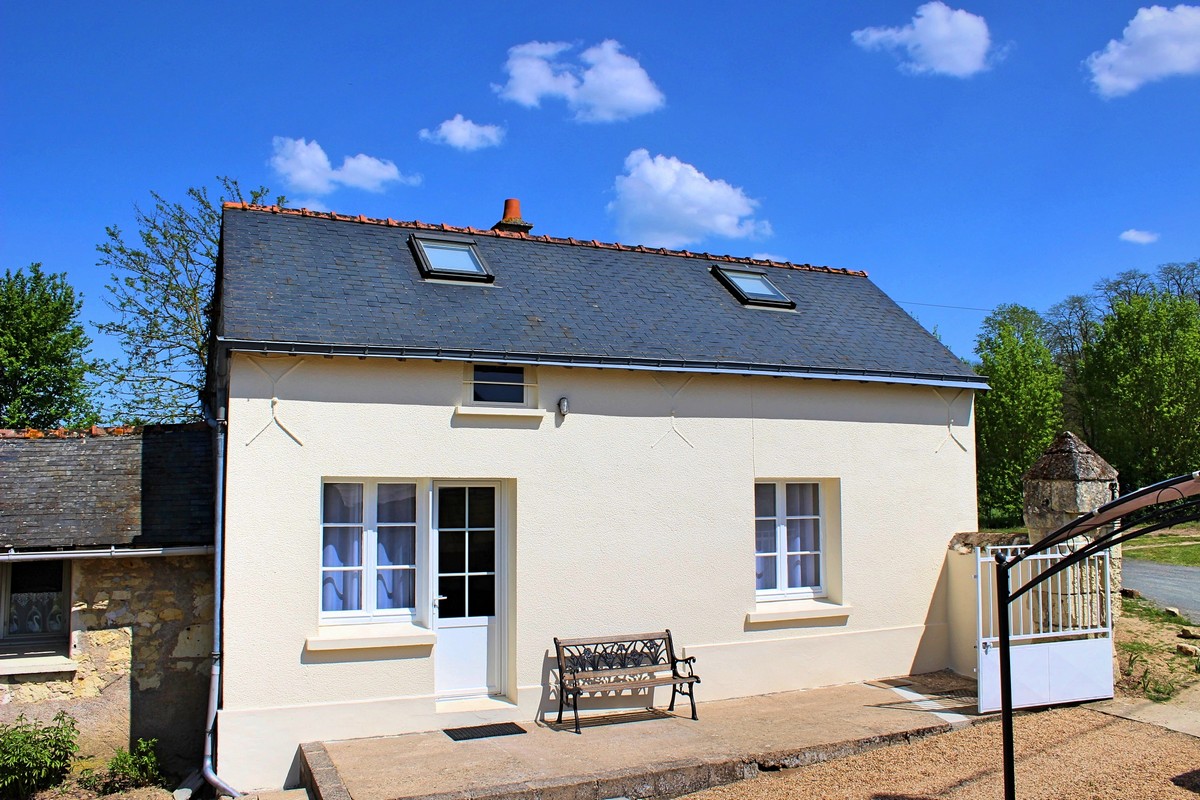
[[466, 589]]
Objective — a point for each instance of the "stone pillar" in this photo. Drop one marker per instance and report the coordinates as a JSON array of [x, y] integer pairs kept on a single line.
[[1070, 479]]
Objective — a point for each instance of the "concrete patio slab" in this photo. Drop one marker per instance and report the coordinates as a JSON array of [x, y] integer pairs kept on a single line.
[[1181, 713], [641, 754]]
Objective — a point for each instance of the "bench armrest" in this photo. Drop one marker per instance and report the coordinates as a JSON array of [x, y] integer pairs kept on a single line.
[[683, 666]]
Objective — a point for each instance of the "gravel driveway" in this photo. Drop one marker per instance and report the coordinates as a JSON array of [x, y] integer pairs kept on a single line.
[[1062, 753]]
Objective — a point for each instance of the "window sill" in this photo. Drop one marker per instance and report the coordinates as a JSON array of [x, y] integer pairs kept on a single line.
[[35, 665], [499, 411], [788, 610], [369, 637]]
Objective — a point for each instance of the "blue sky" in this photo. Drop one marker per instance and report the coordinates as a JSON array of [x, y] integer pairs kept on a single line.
[[964, 154]]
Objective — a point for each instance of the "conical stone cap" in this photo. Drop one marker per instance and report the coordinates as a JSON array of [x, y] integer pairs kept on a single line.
[[1068, 458]]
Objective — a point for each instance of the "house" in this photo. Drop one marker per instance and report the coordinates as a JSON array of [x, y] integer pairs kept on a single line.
[[106, 570], [447, 446]]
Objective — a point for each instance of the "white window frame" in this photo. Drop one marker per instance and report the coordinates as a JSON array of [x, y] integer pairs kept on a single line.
[[529, 383], [369, 542], [16, 643], [781, 552]]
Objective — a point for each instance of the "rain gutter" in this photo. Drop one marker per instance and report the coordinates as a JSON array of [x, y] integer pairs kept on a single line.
[[605, 362], [111, 552]]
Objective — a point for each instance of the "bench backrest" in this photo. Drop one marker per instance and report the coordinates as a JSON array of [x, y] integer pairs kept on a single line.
[[614, 652]]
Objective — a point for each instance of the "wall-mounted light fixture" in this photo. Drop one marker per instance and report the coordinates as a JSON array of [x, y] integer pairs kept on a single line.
[[564, 406]]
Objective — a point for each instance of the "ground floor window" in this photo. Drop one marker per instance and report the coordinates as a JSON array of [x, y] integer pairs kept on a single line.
[[34, 604], [789, 546], [397, 551], [368, 549]]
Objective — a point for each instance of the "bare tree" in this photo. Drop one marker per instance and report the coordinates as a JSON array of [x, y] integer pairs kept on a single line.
[[1072, 325], [1181, 279], [161, 288], [1127, 285]]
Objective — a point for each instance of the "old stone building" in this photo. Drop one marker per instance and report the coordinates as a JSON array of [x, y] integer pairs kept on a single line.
[[106, 596]]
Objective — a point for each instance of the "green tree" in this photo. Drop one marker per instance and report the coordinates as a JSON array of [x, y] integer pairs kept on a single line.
[[1019, 417], [1142, 377], [161, 288], [43, 352]]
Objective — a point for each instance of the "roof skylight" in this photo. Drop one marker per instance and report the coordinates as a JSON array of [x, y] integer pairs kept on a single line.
[[752, 287], [452, 258]]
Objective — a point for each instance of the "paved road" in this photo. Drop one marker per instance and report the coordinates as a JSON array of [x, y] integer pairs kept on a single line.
[[1166, 584]]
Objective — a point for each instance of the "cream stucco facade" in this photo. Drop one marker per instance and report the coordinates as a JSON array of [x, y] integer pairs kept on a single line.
[[633, 512]]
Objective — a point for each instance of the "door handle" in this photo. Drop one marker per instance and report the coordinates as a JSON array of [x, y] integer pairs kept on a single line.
[[437, 599]]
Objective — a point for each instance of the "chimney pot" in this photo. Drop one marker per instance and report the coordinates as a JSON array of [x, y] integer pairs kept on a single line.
[[511, 221]]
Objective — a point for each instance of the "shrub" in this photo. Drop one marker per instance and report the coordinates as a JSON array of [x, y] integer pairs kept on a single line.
[[35, 755], [128, 769]]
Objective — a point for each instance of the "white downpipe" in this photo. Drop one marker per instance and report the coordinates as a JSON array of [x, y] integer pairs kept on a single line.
[[218, 425]]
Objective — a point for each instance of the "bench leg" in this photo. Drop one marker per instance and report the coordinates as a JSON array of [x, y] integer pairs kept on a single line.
[[560, 705], [674, 689], [575, 706], [692, 697]]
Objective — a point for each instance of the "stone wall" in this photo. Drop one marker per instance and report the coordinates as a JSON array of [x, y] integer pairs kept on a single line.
[[141, 637], [1067, 480]]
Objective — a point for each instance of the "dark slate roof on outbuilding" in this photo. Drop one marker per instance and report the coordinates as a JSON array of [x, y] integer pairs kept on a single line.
[[152, 487], [310, 282]]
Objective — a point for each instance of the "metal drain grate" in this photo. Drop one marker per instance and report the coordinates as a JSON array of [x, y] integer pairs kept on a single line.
[[484, 731]]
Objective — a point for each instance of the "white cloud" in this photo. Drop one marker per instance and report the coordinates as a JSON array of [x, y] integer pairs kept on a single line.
[[1157, 43], [664, 202], [304, 167], [532, 75], [768, 257], [463, 134], [1138, 237], [606, 86], [939, 41]]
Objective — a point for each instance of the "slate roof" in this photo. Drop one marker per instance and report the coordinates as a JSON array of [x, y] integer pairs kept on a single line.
[[308, 282], [151, 488]]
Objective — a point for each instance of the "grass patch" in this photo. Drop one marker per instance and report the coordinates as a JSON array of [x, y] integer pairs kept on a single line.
[[1176, 535], [1136, 647], [1151, 612], [1146, 662], [1180, 555]]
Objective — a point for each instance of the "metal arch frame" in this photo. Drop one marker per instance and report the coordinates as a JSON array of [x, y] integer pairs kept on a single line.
[[1167, 503]]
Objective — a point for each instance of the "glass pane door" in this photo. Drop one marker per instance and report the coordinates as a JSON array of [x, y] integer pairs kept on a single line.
[[466, 524]]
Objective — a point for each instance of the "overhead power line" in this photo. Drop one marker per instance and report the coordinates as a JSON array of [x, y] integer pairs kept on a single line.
[[939, 305]]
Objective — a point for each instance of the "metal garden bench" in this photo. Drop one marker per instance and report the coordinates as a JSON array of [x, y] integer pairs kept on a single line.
[[614, 663]]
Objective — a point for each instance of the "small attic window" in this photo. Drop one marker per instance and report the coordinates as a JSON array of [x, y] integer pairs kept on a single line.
[[450, 258], [752, 287]]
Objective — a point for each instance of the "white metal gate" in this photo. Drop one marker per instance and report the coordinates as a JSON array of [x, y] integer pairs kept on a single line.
[[1061, 631]]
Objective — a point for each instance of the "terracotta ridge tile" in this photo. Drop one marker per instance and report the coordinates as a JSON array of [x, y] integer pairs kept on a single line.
[[93, 432], [392, 223]]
